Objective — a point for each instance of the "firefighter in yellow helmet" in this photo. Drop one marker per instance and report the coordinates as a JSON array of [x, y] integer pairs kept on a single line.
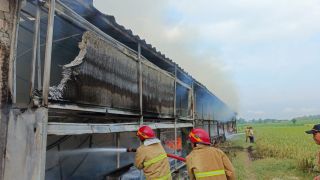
[[151, 157], [206, 162]]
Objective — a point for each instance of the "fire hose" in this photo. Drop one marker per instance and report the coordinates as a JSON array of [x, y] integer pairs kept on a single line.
[[168, 155]]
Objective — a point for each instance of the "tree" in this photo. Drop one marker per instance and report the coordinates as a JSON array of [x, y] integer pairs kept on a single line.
[[294, 121]]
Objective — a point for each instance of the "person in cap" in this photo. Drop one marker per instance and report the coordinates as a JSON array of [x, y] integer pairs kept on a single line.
[[315, 131], [151, 156], [206, 162]]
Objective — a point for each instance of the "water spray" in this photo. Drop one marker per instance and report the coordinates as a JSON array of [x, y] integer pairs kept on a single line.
[[94, 150], [111, 150]]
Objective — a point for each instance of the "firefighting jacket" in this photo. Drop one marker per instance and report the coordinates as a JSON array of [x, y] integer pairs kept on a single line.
[[152, 158], [209, 163], [247, 131]]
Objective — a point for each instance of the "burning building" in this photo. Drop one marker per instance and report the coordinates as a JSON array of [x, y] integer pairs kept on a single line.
[[76, 79]]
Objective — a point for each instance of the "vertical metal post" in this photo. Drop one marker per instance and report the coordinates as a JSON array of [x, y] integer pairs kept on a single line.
[[189, 111], [209, 127], [193, 104], [218, 129], [48, 53], [13, 52], [39, 55], [223, 124], [202, 111], [235, 129], [118, 146], [140, 84], [140, 93], [60, 163], [35, 49], [175, 114]]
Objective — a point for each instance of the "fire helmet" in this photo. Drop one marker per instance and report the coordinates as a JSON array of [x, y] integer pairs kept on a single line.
[[145, 132], [198, 135]]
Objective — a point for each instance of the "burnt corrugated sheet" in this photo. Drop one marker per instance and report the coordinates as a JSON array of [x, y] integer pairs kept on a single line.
[[100, 75], [104, 74], [183, 100], [210, 107], [158, 91]]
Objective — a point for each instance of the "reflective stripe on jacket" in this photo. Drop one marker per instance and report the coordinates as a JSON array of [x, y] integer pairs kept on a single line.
[[209, 163], [154, 162], [209, 173]]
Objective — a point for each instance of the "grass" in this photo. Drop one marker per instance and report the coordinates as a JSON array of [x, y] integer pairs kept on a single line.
[[272, 168], [243, 172], [281, 151]]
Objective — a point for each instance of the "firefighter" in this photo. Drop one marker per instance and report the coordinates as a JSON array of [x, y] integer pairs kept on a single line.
[[315, 131], [247, 131], [151, 157], [206, 162], [251, 137]]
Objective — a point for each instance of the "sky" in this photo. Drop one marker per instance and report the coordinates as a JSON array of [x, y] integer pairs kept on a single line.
[[261, 57]]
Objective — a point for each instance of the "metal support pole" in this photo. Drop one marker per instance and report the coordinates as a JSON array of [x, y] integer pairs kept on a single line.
[[48, 53], [235, 125], [209, 128], [140, 94], [35, 48], [218, 132], [39, 56], [175, 114], [223, 124], [13, 53], [140, 84], [118, 146], [193, 98]]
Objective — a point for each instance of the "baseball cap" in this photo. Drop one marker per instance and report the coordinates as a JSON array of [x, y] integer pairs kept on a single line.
[[315, 129]]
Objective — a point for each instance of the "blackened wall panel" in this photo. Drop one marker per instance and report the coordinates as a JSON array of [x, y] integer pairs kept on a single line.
[[183, 101], [158, 91]]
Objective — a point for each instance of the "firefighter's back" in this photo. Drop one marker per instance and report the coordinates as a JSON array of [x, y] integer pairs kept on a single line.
[[207, 162], [155, 161]]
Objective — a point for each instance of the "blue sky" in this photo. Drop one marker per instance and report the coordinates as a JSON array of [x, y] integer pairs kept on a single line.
[[260, 56]]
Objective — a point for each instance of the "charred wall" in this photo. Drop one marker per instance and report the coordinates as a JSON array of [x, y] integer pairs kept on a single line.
[[158, 91]]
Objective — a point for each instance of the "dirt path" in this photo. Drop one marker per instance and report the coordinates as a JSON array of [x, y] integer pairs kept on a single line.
[[248, 163]]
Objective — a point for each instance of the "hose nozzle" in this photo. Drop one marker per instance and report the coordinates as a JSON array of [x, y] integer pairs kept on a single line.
[[131, 150]]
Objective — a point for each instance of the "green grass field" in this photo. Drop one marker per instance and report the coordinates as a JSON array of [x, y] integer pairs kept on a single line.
[[280, 151]]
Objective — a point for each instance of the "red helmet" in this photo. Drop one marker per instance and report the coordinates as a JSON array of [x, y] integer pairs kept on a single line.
[[145, 132], [198, 135]]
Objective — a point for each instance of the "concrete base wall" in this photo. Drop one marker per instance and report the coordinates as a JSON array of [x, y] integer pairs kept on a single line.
[[26, 144]]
